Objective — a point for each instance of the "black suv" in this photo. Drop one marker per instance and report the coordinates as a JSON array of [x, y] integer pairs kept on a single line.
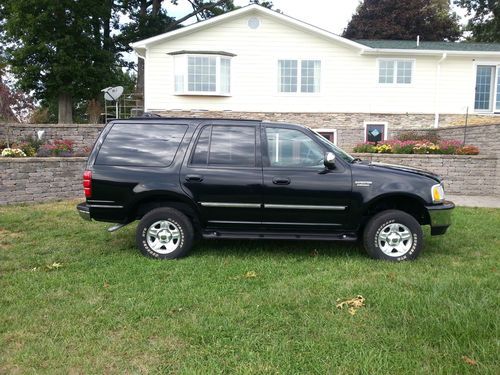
[[186, 178]]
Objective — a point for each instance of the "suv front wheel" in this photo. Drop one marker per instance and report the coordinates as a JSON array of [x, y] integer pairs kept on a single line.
[[393, 235], [164, 233]]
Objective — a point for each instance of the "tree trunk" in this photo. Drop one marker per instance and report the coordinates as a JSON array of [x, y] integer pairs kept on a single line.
[[140, 76], [65, 115]]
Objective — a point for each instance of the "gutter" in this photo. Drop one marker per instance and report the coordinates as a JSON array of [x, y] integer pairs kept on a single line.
[[436, 92]]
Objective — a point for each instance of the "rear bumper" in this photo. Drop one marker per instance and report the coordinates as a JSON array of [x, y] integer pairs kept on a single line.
[[84, 211], [440, 217]]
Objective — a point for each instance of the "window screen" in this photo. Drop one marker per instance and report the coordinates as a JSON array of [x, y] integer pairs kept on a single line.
[[147, 145], [226, 145]]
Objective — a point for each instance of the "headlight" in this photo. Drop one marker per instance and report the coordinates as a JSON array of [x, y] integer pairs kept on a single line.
[[437, 193]]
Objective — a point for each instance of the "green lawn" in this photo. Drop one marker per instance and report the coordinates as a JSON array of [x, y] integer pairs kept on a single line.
[[107, 309]]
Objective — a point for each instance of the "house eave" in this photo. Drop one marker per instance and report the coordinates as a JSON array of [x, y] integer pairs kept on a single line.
[[421, 52]]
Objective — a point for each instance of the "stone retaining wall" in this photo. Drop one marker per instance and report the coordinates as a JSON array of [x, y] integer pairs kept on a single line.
[[27, 180], [462, 174], [84, 135], [349, 126], [45, 179]]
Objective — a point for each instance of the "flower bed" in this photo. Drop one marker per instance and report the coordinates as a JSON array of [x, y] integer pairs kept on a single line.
[[31, 147], [446, 147]]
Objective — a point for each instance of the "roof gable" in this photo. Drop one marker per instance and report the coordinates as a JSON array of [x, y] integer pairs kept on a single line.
[[250, 9]]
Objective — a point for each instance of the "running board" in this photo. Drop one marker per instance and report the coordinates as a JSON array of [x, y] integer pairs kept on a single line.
[[279, 236]]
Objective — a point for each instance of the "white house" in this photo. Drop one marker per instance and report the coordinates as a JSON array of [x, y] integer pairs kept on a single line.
[[259, 61]]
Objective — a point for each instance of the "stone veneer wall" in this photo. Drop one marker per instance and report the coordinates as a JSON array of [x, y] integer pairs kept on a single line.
[[462, 174], [40, 179], [47, 179]]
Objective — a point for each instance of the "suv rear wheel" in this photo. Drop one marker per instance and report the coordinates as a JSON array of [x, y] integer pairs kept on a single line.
[[164, 233], [393, 235]]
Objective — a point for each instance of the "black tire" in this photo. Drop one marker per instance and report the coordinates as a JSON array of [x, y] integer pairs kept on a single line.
[[174, 236], [400, 226]]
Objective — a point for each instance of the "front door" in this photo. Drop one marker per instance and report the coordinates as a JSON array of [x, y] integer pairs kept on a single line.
[[298, 191], [224, 174]]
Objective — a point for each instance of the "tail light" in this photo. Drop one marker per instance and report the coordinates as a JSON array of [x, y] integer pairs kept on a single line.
[[87, 183]]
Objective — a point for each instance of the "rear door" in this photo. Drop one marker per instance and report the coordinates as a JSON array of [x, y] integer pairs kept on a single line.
[[222, 173]]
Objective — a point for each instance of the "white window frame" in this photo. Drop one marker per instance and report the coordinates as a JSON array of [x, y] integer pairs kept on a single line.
[[299, 76], [328, 130], [395, 73], [493, 109], [181, 69], [384, 123]]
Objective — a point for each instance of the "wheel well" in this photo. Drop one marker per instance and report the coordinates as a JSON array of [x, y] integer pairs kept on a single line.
[[144, 206], [410, 205]]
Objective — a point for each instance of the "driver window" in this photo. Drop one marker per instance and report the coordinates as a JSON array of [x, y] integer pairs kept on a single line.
[[292, 148]]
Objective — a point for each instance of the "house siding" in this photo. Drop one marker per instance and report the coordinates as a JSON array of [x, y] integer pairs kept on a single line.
[[348, 79]]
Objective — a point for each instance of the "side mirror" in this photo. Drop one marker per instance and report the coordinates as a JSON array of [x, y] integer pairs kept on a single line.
[[329, 160]]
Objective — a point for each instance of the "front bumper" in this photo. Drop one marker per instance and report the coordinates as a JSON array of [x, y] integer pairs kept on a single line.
[[84, 211], [440, 217]]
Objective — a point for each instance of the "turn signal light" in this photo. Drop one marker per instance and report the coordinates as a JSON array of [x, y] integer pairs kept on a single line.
[[87, 183]]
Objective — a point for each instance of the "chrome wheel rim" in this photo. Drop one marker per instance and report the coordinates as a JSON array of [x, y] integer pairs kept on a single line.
[[395, 239], [163, 236]]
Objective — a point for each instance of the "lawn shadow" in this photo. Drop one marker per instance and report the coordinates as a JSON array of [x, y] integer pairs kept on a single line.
[[278, 248]]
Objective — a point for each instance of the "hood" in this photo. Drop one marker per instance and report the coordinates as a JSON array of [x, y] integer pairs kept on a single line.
[[406, 169]]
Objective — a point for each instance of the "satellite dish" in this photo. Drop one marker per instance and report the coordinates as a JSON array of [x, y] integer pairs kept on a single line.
[[112, 93]]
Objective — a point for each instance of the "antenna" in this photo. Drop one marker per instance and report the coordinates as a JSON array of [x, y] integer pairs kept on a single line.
[[112, 94]]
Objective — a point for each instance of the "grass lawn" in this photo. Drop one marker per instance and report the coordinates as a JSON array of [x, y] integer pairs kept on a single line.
[[76, 299]]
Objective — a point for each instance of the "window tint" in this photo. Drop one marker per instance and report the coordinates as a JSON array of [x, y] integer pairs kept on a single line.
[[147, 145], [292, 148], [200, 155], [226, 145]]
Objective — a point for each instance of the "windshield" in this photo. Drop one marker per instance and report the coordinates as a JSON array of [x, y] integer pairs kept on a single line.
[[337, 150]]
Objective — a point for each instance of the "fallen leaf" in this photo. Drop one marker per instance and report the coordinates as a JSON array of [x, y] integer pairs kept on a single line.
[[106, 285], [250, 275], [352, 304], [34, 269], [469, 361], [54, 266]]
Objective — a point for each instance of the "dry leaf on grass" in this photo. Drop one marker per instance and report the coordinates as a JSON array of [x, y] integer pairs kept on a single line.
[[250, 275], [352, 304], [54, 266], [469, 361], [106, 285]]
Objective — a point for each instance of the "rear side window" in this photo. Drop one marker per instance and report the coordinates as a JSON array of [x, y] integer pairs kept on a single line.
[[146, 145], [225, 146]]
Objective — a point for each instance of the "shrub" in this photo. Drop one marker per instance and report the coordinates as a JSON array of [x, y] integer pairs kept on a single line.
[[468, 150], [61, 147], [415, 135], [425, 147], [367, 147], [13, 153], [449, 147], [383, 148]]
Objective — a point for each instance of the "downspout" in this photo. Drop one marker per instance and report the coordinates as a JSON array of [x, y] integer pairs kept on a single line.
[[436, 93]]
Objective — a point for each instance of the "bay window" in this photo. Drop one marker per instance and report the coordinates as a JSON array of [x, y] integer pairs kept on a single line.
[[202, 74]]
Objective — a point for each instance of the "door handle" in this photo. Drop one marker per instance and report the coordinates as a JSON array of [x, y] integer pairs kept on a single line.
[[194, 178], [281, 181]]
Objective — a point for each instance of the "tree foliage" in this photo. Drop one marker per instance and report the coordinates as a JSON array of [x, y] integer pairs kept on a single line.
[[484, 23], [404, 20], [64, 52]]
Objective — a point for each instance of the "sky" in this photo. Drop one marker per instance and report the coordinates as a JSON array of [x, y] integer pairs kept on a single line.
[[331, 15]]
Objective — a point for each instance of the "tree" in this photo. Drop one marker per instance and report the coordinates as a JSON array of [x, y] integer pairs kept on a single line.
[[485, 21], [57, 51], [404, 20], [15, 105]]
